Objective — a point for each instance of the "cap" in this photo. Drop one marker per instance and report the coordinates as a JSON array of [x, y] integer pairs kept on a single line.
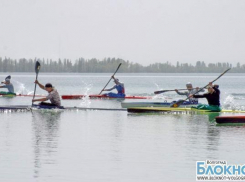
[[48, 85], [189, 84], [7, 79]]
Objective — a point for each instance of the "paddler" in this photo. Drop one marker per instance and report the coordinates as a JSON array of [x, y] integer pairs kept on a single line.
[[213, 98], [190, 91], [8, 85], [53, 95], [119, 87]]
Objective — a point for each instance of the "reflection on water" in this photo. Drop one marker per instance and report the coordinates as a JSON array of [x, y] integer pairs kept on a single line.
[[45, 140], [213, 137], [111, 146], [115, 146], [212, 116]]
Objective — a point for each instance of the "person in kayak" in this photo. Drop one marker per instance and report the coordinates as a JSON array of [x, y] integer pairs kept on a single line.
[[190, 91], [53, 95], [119, 87], [213, 98], [8, 85]]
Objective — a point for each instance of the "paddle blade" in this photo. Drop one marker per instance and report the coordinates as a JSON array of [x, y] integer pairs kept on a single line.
[[222, 74], [159, 92], [37, 67], [177, 104]]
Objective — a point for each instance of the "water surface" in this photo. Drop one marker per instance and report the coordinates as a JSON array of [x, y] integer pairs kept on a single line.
[[114, 145]]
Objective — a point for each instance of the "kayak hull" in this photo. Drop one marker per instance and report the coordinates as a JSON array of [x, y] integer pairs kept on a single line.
[[73, 97], [230, 119], [19, 95], [152, 104], [171, 109], [47, 107], [17, 108]]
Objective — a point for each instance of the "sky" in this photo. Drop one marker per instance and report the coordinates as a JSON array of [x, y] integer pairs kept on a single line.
[[142, 31]]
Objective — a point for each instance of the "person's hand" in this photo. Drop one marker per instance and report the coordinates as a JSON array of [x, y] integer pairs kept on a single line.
[[210, 83], [176, 90], [191, 96], [33, 100], [36, 81], [113, 77]]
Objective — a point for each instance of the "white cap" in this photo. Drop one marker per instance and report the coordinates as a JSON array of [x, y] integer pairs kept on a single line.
[[7, 79], [189, 84]]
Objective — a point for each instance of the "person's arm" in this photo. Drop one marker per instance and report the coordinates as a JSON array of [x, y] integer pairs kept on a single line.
[[199, 90], [181, 93], [199, 96], [110, 88], [216, 89], [115, 80], [3, 86], [40, 85], [41, 100]]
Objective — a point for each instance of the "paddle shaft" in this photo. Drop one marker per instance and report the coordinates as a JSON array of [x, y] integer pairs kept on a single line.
[[203, 87], [35, 89], [111, 78], [162, 91]]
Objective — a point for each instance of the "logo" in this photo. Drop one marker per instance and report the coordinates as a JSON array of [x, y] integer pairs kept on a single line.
[[219, 170]]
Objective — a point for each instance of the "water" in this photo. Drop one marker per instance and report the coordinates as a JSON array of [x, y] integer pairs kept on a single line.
[[114, 145]]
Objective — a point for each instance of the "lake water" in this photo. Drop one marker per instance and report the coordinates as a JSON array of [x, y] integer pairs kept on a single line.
[[114, 145]]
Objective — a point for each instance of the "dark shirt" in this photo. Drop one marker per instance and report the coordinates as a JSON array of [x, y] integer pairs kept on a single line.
[[213, 99]]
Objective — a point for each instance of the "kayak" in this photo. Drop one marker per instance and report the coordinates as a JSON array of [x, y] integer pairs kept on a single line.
[[46, 107], [230, 119], [19, 95], [172, 109], [17, 108], [154, 104], [7, 94], [27, 107], [71, 97]]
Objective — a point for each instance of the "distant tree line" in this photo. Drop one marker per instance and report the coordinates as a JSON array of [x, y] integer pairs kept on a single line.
[[108, 65]]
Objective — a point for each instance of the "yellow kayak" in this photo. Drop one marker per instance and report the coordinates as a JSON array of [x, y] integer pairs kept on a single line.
[[172, 109]]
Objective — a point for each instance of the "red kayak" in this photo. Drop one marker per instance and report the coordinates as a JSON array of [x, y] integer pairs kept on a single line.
[[69, 97], [230, 119]]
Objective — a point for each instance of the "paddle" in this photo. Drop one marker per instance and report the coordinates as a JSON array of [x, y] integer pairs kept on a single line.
[[111, 78], [37, 68], [162, 91], [178, 103]]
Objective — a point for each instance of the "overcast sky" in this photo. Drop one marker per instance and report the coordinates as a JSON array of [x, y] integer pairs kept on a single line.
[[143, 31]]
